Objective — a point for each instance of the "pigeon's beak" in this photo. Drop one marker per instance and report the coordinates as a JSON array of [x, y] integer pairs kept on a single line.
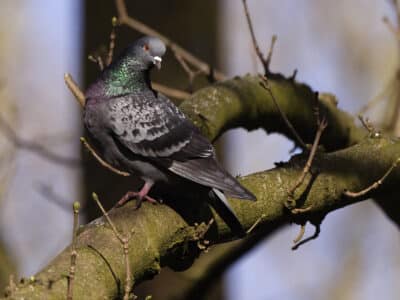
[[157, 61]]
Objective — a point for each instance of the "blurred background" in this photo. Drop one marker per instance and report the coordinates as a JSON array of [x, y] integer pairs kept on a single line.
[[342, 47]]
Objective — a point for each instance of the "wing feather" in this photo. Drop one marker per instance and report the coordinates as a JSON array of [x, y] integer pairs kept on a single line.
[[155, 128]]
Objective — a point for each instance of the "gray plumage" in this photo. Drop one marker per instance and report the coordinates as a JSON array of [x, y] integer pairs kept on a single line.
[[141, 131]]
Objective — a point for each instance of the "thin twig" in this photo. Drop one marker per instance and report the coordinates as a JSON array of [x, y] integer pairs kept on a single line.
[[79, 96], [321, 127], [367, 124], [252, 227], [98, 60], [125, 246], [74, 254], [103, 57], [189, 72], [100, 160], [253, 36], [76, 91], [271, 50], [301, 210], [264, 61], [265, 84], [36, 148], [46, 190], [301, 233], [74, 88], [392, 28], [111, 45], [131, 22], [170, 92], [375, 185], [379, 97], [291, 202], [313, 237], [393, 124], [293, 76]]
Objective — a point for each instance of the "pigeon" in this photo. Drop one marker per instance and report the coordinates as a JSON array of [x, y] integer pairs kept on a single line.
[[140, 131]]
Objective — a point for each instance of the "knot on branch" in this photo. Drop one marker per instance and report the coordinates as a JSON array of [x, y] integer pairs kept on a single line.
[[187, 245]]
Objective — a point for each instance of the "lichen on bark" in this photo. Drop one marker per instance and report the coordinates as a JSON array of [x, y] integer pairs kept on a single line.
[[162, 237]]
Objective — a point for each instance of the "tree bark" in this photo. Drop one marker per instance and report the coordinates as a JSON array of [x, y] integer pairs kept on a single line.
[[163, 237]]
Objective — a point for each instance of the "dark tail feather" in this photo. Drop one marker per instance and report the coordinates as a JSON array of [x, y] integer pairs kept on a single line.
[[208, 172], [221, 205], [238, 191]]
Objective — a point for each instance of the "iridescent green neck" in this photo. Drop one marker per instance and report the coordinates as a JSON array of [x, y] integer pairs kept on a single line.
[[126, 76]]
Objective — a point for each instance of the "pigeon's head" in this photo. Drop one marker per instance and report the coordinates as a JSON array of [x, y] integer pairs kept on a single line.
[[148, 51]]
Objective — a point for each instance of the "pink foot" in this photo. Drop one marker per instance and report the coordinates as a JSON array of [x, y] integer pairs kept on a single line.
[[140, 196]]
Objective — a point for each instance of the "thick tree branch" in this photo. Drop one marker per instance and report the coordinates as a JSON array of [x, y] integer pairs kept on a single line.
[[164, 237], [242, 102]]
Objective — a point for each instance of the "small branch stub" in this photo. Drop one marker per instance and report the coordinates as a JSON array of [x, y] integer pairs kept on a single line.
[[375, 185], [74, 88], [76, 206], [124, 241], [100, 160]]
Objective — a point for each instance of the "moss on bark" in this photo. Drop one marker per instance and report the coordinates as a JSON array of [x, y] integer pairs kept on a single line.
[[162, 237]]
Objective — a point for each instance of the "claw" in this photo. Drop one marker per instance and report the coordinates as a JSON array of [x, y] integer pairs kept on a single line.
[[140, 196]]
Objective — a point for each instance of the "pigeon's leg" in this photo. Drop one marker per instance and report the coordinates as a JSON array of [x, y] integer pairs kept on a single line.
[[140, 196]]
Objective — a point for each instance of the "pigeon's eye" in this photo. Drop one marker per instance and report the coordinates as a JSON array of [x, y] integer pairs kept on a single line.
[[146, 47]]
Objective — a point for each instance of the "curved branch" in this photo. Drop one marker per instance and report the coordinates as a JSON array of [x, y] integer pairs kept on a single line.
[[164, 237], [243, 102]]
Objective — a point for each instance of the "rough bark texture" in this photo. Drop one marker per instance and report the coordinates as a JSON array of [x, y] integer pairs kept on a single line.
[[162, 237], [7, 266]]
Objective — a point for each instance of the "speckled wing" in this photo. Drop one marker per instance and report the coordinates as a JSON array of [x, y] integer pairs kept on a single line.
[[154, 127]]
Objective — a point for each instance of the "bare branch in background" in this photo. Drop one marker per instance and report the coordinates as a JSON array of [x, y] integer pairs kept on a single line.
[[387, 91], [97, 59], [36, 148], [46, 190], [269, 55], [265, 84], [392, 111], [265, 61], [133, 23], [171, 92], [189, 72]]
